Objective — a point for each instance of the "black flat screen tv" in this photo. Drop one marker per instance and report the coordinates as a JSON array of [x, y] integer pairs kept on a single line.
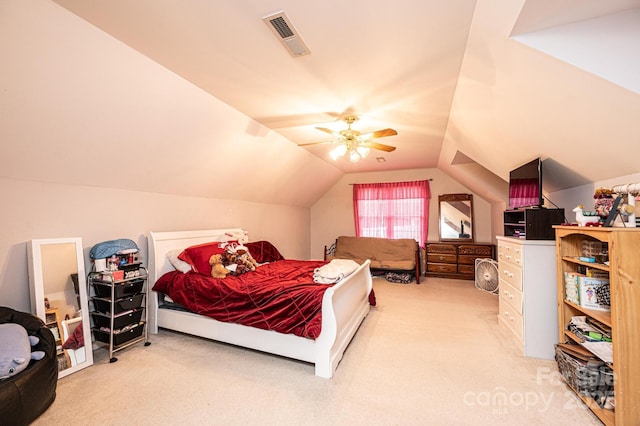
[[525, 186]]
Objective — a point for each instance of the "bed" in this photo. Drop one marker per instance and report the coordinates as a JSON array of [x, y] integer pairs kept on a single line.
[[344, 307]]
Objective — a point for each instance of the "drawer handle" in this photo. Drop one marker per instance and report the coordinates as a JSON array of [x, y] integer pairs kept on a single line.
[[441, 257]]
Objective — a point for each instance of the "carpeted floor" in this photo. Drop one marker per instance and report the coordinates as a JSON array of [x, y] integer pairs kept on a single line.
[[427, 354]]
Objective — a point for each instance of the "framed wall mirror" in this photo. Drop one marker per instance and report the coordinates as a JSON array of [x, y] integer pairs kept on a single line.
[[59, 297], [456, 217]]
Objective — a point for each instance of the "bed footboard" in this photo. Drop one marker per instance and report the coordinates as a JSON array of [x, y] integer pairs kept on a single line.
[[344, 307]]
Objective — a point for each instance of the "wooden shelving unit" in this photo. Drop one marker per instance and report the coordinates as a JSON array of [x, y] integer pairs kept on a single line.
[[624, 281]]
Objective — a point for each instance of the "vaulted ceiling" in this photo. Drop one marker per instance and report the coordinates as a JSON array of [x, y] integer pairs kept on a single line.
[[473, 87]]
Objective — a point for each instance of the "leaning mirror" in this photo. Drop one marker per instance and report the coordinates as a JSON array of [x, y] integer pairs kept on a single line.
[[59, 298], [456, 217]]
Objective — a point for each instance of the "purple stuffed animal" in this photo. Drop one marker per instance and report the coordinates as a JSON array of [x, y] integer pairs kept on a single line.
[[15, 349]]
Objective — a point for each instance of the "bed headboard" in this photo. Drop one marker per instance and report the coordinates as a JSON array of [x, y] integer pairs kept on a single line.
[[160, 243]]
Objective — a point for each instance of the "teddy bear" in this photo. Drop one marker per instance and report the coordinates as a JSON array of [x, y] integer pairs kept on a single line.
[[244, 258], [15, 349], [238, 260], [217, 268]]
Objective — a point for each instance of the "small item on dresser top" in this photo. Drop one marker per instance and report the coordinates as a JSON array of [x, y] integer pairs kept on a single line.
[[585, 218]]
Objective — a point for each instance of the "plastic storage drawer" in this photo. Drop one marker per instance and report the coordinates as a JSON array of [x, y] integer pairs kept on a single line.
[[119, 305], [119, 290], [119, 338], [103, 320]]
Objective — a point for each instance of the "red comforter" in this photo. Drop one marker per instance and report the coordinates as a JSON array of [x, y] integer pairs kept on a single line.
[[279, 296]]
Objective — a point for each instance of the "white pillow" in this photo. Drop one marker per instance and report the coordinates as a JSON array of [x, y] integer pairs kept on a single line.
[[180, 265]]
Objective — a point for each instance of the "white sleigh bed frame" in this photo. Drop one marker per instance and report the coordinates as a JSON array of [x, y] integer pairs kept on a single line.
[[344, 307]]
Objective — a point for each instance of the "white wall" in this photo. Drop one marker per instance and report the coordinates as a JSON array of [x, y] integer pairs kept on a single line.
[[332, 215], [33, 210], [583, 195]]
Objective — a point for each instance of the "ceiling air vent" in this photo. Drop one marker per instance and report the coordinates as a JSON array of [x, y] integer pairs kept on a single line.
[[286, 33]]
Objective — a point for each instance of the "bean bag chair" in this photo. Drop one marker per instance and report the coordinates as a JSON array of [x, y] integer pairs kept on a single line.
[[28, 394]]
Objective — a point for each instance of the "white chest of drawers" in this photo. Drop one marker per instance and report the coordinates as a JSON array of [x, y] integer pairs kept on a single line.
[[528, 294]]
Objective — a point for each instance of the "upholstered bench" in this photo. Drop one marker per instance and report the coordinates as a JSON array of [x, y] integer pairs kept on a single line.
[[386, 255]]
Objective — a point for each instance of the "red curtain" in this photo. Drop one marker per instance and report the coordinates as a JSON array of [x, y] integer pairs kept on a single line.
[[392, 210]]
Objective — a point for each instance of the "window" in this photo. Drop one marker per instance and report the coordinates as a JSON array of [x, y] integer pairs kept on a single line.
[[392, 210]]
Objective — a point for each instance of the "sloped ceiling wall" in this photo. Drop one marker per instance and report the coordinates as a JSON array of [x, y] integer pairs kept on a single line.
[[78, 106], [514, 103]]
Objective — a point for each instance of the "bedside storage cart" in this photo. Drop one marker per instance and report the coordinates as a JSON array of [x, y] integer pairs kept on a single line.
[[119, 314]]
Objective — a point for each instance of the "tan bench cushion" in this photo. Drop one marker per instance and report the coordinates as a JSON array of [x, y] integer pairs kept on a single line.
[[384, 253]]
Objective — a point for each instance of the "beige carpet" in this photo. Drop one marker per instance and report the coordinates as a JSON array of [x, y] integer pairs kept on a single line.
[[428, 354]]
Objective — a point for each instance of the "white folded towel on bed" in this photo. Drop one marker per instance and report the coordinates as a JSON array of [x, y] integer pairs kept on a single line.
[[334, 271]]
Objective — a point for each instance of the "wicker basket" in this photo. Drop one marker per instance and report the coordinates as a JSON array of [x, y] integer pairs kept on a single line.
[[594, 381]]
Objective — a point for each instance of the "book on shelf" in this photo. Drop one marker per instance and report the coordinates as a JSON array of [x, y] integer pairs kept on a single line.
[[571, 287], [597, 273], [594, 293]]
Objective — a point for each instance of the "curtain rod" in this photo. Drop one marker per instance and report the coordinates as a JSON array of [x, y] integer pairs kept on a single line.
[[430, 180]]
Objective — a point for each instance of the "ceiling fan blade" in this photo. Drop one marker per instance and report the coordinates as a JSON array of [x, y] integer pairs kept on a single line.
[[378, 146], [315, 143], [379, 134], [331, 132]]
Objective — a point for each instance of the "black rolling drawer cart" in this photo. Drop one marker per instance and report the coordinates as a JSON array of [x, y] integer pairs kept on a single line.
[[119, 314]]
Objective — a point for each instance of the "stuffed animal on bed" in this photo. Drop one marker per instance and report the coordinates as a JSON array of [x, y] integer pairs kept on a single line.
[[245, 258], [15, 349], [217, 268], [238, 260]]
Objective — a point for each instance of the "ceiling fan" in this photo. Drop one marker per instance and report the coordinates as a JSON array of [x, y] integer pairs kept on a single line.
[[351, 141]]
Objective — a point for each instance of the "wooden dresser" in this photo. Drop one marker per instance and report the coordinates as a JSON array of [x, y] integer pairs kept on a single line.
[[456, 259], [528, 300]]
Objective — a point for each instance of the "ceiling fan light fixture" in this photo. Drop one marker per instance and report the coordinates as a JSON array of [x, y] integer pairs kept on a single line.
[[354, 143], [338, 151], [363, 151]]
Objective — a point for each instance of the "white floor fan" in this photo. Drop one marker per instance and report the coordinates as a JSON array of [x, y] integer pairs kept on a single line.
[[487, 275]]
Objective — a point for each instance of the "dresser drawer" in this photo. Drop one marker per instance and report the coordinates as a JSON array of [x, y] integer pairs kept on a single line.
[[442, 248], [512, 319], [511, 273], [469, 259], [511, 253], [511, 296], [441, 258], [477, 251], [467, 269], [442, 267]]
